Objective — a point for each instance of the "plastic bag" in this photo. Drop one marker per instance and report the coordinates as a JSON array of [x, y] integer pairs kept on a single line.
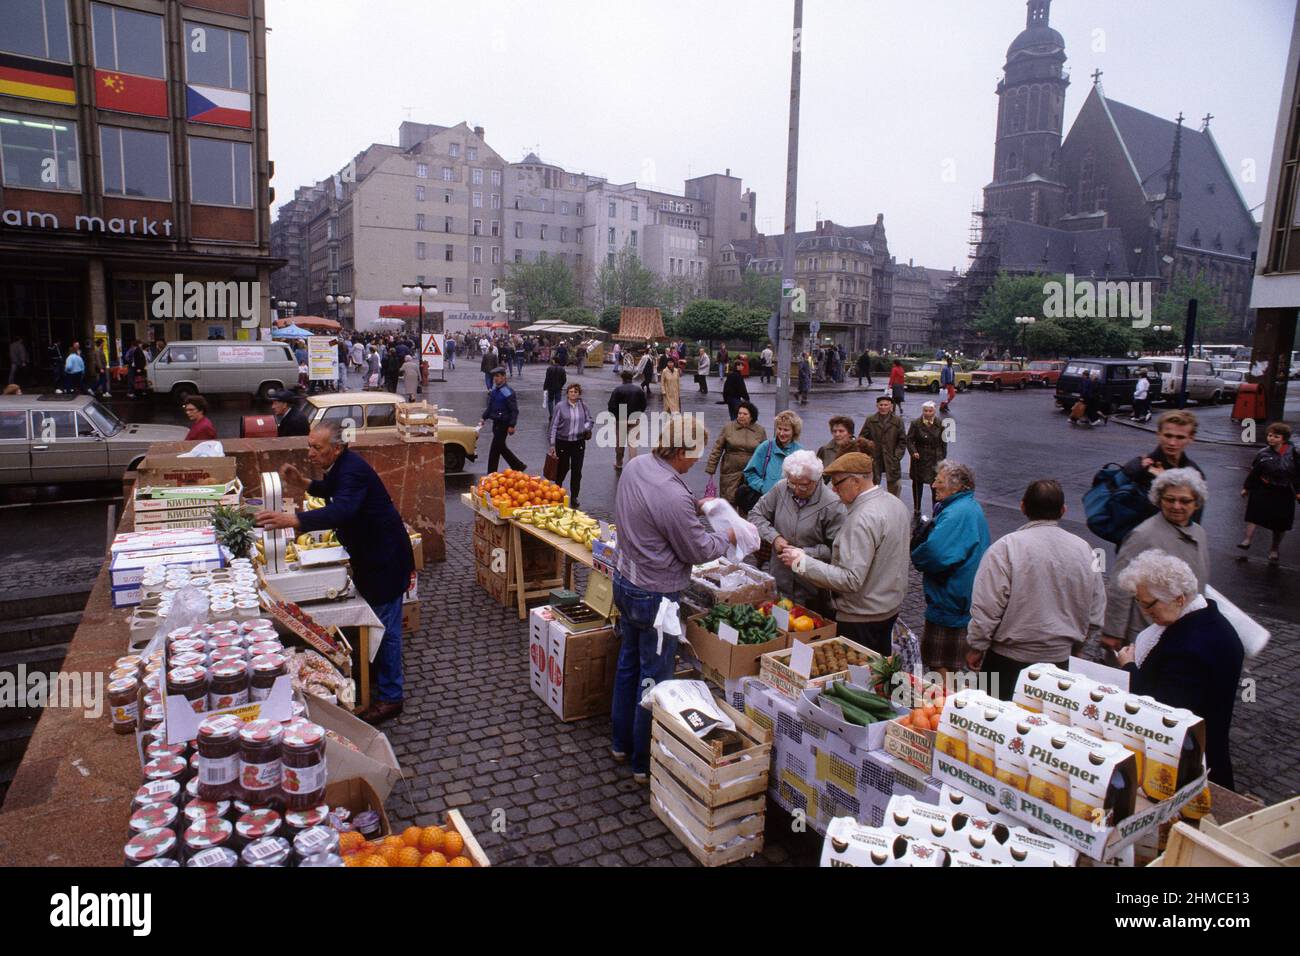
[[724, 516], [1253, 636], [205, 449], [691, 703], [711, 489], [668, 620]]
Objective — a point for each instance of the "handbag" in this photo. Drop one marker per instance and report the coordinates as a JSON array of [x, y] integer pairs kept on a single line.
[[746, 496], [1079, 410], [552, 466]]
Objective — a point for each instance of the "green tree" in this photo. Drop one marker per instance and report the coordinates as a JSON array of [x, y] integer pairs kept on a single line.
[[1008, 297], [756, 291], [627, 282], [748, 325], [537, 287], [610, 318], [1047, 338], [1171, 307], [572, 315], [707, 320]]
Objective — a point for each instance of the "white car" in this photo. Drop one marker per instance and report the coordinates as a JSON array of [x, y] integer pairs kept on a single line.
[[1203, 384]]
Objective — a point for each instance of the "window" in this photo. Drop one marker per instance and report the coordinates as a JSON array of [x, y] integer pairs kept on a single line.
[[564, 234], [542, 231], [420, 251], [541, 205], [446, 197], [478, 227], [37, 153], [476, 176], [495, 282], [564, 209], [635, 212], [478, 286], [496, 227], [744, 217], [613, 209], [53, 425], [128, 41], [447, 175], [610, 259], [419, 221], [573, 180], [517, 202], [580, 209], [419, 194], [381, 416], [446, 223], [454, 150], [519, 255], [343, 413], [519, 230], [448, 251], [478, 255], [633, 241], [478, 200], [422, 170], [496, 177], [13, 423], [216, 57], [496, 255], [334, 260], [611, 235], [37, 28], [496, 200], [446, 285], [138, 164], [473, 153]]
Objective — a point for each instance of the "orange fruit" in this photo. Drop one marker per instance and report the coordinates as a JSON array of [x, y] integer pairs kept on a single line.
[[460, 861], [391, 854], [408, 857], [434, 859], [350, 841], [356, 859], [373, 860], [453, 844], [431, 838], [392, 840], [411, 836]]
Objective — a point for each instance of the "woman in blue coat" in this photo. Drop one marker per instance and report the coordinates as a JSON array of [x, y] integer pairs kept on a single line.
[[948, 555], [764, 468]]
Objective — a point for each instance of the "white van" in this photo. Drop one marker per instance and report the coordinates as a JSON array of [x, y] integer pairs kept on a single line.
[[223, 367], [1203, 383]]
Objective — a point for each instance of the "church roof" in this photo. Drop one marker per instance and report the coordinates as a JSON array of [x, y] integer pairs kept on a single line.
[[1028, 247], [1212, 205], [1037, 39]]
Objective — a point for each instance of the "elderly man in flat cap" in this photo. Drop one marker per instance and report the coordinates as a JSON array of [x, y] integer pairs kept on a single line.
[[867, 571], [502, 411], [289, 417]]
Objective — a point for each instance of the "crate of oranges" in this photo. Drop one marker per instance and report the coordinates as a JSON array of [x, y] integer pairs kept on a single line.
[[449, 845], [507, 490]]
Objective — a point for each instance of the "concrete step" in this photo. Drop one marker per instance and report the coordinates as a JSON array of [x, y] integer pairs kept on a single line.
[[14, 736], [46, 659], [40, 603], [24, 633]]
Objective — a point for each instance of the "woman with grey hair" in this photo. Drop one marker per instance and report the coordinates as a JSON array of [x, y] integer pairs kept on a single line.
[[799, 512], [1179, 493], [1190, 656], [926, 445]]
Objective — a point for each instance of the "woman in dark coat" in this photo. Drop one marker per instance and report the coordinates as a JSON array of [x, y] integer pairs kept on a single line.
[[926, 446], [1190, 657], [1272, 489], [734, 390]]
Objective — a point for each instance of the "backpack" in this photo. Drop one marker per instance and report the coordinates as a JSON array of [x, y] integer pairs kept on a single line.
[[1115, 504]]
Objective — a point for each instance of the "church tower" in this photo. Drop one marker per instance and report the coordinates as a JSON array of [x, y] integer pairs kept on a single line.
[[1031, 108]]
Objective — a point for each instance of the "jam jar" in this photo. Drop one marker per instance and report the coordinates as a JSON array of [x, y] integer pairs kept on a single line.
[[216, 856], [303, 754], [132, 661], [227, 639], [265, 669], [157, 791], [160, 861], [218, 754], [160, 748], [153, 716], [189, 659], [166, 768], [314, 841], [190, 683], [296, 821], [197, 809], [268, 851], [323, 859], [159, 844], [260, 767], [256, 824], [207, 832], [123, 673], [229, 685], [153, 816], [265, 647], [123, 704]]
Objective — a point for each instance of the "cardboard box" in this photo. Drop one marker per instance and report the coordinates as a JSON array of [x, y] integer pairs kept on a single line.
[[128, 596], [774, 668], [708, 589], [580, 671], [358, 795], [410, 618], [175, 470], [721, 661], [417, 548], [128, 568], [915, 747], [981, 838], [157, 539], [373, 761], [849, 843], [539, 630], [149, 498], [816, 708]]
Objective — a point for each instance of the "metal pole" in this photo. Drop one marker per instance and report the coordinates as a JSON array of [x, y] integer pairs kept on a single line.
[[785, 324], [1189, 336]]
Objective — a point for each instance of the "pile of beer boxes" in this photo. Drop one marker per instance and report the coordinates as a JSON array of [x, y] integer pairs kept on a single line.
[[572, 670], [825, 769], [134, 552], [186, 506]]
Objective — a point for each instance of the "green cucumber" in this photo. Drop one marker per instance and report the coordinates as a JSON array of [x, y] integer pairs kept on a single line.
[[852, 714], [873, 703]]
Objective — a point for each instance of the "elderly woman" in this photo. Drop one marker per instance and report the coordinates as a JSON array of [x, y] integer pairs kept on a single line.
[[1179, 493], [948, 554], [927, 447], [1189, 657], [670, 382], [733, 449], [1272, 489], [571, 426], [764, 468], [799, 512]]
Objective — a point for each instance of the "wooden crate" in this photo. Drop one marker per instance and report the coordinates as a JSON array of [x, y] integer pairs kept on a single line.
[[472, 850], [1268, 837], [706, 798]]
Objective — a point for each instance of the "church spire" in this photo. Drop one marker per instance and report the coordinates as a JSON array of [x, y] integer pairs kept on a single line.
[[1171, 210], [1039, 15], [1171, 181]]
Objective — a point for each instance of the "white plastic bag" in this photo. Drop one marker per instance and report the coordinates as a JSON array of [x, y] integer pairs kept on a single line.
[[723, 516], [205, 449], [1254, 638], [691, 703], [668, 620]]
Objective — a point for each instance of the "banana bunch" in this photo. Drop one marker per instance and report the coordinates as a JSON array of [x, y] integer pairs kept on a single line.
[[305, 542], [566, 522], [310, 503]]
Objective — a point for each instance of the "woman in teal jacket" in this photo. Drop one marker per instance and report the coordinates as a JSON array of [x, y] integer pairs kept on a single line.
[[948, 555], [764, 468]]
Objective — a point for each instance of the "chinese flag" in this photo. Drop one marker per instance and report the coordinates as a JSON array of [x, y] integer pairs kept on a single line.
[[128, 93]]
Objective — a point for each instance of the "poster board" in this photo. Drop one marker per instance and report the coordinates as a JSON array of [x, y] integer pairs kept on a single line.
[[322, 358]]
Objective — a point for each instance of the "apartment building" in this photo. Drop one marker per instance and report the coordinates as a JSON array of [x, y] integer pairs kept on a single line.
[[544, 215], [917, 293]]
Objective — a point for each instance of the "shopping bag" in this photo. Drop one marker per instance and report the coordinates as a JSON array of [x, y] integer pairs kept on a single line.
[[711, 489], [1079, 411], [552, 466]]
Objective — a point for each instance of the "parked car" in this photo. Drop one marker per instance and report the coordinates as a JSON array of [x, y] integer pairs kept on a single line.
[[927, 377], [999, 375], [374, 411], [1115, 378], [223, 367], [48, 439], [1045, 374], [1203, 385], [1232, 380]]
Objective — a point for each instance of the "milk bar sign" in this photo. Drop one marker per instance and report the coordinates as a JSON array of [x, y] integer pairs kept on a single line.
[[116, 225]]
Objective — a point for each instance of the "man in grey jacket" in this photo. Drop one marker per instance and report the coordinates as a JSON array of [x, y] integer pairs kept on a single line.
[[801, 512], [1038, 595], [867, 570]]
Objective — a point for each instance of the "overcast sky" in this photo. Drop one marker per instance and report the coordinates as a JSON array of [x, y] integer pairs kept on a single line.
[[895, 92]]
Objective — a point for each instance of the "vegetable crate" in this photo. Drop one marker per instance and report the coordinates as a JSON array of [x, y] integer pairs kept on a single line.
[[474, 852], [714, 803], [775, 671], [1268, 837], [720, 660]]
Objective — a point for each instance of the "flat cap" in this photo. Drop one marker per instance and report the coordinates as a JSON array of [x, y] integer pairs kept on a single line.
[[499, 370], [854, 463]]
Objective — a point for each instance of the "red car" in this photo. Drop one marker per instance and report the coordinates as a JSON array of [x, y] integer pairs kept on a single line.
[[1045, 374], [999, 375]]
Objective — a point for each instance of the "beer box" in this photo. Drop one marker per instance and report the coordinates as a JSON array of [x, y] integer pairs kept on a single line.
[[985, 840], [966, 728], [849, 843], [1046, 688], [957, 801]]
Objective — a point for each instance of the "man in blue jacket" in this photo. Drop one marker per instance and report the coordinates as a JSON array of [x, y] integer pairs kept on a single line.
[[359, 509], [948, 555], [503, 412]]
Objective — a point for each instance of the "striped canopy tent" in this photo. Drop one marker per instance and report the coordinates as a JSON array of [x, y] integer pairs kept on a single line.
[[639, 324]]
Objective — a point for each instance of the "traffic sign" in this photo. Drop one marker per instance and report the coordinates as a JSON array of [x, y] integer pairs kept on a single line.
[[431, 350]]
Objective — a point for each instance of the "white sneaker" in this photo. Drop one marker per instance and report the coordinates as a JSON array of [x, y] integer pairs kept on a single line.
[[58, 391]]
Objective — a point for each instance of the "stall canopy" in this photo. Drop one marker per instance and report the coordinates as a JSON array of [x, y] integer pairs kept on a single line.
[[400, 311], [637, 324], [290, 332], [490, 325], [560, 328], [315, 322]]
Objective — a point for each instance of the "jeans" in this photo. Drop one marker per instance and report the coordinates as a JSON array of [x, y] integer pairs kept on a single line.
[[641, 665], [569, 455], [388, 662], [487, 381], [582, 366], [500, 432]]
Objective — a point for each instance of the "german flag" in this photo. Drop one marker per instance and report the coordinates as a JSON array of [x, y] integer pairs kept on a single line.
[[37, 79]]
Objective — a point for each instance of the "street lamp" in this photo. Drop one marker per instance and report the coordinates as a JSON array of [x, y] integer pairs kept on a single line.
[[284, 306], [418, 290], [1024, 321], [338, 301]]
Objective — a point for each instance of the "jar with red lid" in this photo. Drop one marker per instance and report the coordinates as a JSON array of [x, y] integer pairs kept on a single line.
[[256, 824], [189, 659], [257, 624], [265, 647], [160, 748], [152, 697], [123, 673], [191, 645], [151, 845], [132, 661], [166, 768], [296, 821], [303, 754], [197, 809], [228, 686], [260, 764], [268, 851], [154, 716], [223, 627], [207, 833], [190, 683], [123, 704], [154, 815], [265, 669], [157, 791], [218, 757], [227, 654], [181, 633], [217, 856]]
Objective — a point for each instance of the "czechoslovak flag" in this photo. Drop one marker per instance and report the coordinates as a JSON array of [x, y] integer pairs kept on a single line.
[[209, 104]]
